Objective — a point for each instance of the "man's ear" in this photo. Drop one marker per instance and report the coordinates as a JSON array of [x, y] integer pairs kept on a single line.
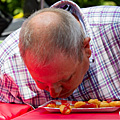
[[86, 45]]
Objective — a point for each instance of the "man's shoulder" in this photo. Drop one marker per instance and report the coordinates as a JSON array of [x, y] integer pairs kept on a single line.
[[101, 9], [9, 46], [100, 15]]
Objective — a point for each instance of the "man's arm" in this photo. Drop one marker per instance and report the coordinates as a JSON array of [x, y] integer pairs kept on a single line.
[[9, 92]]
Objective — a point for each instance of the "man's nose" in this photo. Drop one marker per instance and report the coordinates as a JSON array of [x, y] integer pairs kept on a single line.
[[55, 90]]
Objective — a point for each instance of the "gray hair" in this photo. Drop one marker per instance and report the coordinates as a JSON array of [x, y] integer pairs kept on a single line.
[[66, 37]]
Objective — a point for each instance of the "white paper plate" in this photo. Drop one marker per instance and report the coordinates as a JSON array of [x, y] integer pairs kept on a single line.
[[58, 102]]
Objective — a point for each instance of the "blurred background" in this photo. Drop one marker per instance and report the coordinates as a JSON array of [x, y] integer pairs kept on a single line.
[[15, 7], [14, 12]]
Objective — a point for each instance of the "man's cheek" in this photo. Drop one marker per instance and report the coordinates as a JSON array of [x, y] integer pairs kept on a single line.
[[40, 86]]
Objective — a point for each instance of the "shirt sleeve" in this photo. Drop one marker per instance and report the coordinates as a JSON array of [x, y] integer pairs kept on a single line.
[[9, 92]]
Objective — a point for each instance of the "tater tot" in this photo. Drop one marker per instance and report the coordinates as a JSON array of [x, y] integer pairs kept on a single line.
[[65, 108], [115, 104], [79, 104], [104, 104], [51, 104], [94, 101]]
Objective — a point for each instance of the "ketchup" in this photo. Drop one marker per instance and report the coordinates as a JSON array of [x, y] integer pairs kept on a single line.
[[67, 106], [88, 105]]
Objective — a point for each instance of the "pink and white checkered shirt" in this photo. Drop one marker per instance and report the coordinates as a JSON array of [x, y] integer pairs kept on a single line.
[[102, 81]]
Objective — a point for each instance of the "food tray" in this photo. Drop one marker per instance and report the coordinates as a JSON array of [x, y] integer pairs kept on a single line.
[[59, 102]]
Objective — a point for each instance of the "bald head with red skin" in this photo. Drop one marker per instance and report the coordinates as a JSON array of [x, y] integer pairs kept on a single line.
[[63, 74]]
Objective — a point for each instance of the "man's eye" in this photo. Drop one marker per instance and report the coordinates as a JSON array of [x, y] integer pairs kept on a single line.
[[70, 77], [39, 82], [64, 80]]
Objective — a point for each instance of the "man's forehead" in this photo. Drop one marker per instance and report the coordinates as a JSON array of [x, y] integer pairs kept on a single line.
[[45, 16], [58, 65]]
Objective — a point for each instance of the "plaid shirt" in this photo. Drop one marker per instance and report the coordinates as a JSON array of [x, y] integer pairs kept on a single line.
[[102, 81]]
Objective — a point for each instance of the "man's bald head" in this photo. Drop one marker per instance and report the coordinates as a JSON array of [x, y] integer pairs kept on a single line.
[[51, 31], [43, 25]]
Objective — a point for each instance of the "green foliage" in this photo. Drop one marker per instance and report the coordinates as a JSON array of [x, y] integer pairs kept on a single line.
[[14, 7], [1, 41], [89, 3], [109, 3]]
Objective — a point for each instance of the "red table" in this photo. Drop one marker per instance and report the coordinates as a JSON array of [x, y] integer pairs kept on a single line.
[[9, 111], [42, 114]]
